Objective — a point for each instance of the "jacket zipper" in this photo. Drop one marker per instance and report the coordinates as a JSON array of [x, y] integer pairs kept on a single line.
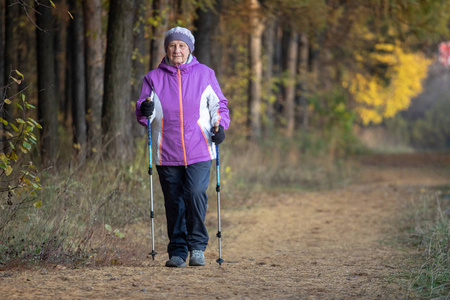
[[181, 118]]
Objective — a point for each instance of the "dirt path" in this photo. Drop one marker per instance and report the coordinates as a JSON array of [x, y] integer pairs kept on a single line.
[[324, 245]]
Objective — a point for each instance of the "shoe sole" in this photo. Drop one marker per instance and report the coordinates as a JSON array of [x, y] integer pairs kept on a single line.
[[170, 265], [196, 264]]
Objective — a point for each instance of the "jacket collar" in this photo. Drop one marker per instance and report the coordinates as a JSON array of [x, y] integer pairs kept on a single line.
[[184, 68]]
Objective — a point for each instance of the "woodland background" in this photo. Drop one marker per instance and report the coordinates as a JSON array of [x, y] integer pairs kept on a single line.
[[304, 79]]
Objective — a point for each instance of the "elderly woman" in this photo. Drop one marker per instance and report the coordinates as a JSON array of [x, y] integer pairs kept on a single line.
[[189, 113]]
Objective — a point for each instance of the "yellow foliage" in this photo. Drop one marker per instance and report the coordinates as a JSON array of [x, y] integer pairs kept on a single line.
[[382, 97]]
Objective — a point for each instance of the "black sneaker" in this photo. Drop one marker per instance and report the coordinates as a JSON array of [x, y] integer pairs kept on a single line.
[[175, 262]]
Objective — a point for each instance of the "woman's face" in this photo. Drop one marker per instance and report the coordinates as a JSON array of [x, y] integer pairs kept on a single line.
[[177, 52]]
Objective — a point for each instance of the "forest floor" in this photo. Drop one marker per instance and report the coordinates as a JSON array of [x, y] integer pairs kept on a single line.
[[337, 244]]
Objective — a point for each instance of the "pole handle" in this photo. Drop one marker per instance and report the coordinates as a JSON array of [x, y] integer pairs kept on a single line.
[[148, 99]]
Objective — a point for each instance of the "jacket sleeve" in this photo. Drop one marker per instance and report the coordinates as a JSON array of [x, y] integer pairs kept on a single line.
[[218, 104], [146, 91]]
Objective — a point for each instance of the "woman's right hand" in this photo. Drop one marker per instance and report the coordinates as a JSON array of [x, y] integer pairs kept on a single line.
[[147, 108]]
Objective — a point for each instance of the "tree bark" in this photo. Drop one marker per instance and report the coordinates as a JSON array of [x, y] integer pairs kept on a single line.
[[2, 48], [94, 72], [269, 52], [216, 49], [11, 31], [303, 82], [254, 101], [157, 51], [116, 102], [76, 34], [47, 103], [289, 89], [139, 69], [202, 36]]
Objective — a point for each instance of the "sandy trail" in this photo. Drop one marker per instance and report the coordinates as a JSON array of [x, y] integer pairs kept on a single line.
[[312, 245]]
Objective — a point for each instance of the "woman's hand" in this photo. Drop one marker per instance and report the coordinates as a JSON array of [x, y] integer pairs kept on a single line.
[[147, 108], [219, 134]]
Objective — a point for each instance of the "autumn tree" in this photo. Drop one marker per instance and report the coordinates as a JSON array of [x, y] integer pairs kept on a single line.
[[2, 47], [78, 66], [94, 70], [255, 60], [48, 104], [116, 99]]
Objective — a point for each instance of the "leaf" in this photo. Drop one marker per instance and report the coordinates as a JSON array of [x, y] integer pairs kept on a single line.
[[18, 81], [70, 15], [9, 134], [7, 101], [19, 106], [26, 145], [24, 150], [14, 127], [19, 120], [12, 145], [30, 106], [20, 74], [8, 170], [13, 156], [108, 227], [37, 204], [4, 121], [51, 2]]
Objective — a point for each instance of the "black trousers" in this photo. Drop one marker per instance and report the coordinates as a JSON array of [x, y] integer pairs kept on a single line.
[[185, 201]]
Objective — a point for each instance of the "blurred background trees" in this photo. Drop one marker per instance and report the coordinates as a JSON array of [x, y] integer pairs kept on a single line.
[[286, 66]]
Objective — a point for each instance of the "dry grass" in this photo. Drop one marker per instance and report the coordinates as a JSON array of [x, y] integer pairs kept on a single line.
[[77, 203]]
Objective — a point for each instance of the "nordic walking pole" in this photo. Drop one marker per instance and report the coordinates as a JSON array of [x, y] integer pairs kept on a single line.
[[150, 172], [219, 233]]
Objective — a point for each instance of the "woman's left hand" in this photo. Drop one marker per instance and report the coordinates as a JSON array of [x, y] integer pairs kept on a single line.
[[218, 136]]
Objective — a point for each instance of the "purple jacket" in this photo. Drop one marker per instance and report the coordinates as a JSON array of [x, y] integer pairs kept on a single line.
[[188, 101]]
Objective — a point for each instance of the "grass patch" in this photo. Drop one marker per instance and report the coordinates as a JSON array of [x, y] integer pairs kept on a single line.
[[97, 213], [428, 231]]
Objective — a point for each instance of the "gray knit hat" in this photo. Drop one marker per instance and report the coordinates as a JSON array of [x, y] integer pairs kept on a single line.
[[180, 34]]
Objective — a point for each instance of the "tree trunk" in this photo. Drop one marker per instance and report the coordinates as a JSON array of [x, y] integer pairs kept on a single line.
[[254, 105], [140, 48], [66, 104], [59, 63], [157, 51], [76, 34], [47, 103], [268, 95], [94, 72], [116, 99], [2, 69], [289, 89], [216, 49], [11, 51], [202, 35], [2, 49], [303, 83]]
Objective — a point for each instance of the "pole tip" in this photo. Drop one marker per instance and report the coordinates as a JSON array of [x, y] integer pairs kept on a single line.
[[153, 253], [219, 261]]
